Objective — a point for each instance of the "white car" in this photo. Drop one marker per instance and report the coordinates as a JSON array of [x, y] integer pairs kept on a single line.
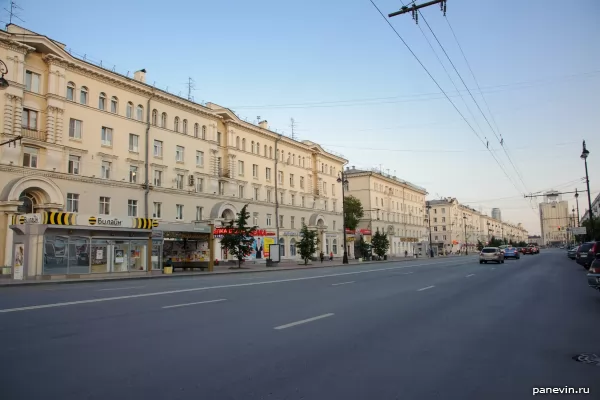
[[491, 254]]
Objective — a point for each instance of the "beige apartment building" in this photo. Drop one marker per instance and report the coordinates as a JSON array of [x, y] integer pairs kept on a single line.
[[455, 226], [105, 147], [390, 205], [555, 218]]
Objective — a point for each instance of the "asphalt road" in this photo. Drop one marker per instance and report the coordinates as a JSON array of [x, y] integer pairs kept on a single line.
[[425, 329]]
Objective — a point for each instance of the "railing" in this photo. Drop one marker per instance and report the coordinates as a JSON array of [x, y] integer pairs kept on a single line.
[[317, 192], [224, 173], [33, 134]]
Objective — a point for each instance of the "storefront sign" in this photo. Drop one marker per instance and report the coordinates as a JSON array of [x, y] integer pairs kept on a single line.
[[67, 218], [361, 231], [219, 232], [349, 238], [291, 233], [18, 259]]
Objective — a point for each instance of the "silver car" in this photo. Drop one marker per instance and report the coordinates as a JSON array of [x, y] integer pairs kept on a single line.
[[491, 254]]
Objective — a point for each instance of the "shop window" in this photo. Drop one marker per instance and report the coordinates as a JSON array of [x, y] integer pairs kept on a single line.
[[282, 247], [66, 254]]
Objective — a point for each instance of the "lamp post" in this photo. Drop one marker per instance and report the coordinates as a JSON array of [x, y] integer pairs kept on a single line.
[[428, 206], [3, 70], [466, 245], [344, 181], [577, 201], [584, 155]]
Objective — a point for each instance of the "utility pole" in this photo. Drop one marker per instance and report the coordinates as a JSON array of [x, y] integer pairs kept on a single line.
[[414, 9], [584, 155], [577, 201]]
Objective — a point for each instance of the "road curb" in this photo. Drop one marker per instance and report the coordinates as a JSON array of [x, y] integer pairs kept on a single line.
[[187, 275]]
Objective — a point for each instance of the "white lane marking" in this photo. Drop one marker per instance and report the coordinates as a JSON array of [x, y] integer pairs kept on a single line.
[[121, 288], [304, 321], [493, 268], [134, 296], [342, 283], [425, 288], [470, 275], [192, 304], [407, 273]]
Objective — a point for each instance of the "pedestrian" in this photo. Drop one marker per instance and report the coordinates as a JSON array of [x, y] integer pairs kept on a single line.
[[322, 256], [331, 256], [405, 253]]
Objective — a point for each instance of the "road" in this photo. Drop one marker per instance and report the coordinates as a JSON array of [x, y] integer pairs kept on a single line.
[[424, 329]]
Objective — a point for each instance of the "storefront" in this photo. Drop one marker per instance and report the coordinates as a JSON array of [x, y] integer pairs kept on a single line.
[[262, 240], [57, 244], [186, 245]]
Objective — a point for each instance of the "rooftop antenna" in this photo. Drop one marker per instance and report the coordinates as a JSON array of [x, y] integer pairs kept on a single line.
[[13, 13], [293, 127], [258, 118], [191, 85]]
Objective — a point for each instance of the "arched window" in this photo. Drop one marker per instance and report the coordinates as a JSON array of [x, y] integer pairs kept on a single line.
[[196, 129], [237, 142], [154, 117], [293, 247], [303, 161], [129, 110], [258, 148], [71, 91], [265, 153], [334, 245], [163, 120], [114, 105], [176, 124], [139, 113], [102, 101], [282, 247], [203, 132], [293, 159], [244, 144], [83, 95], [252, 147], [185, 126], [270, 151]]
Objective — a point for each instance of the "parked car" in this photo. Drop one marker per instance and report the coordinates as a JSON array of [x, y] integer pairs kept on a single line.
[[582, 255], [511, 252], [572, 252], [593, 275], [491, 254], [526, 250]]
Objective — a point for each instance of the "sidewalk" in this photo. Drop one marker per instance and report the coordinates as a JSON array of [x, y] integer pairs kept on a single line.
[[224, 268]]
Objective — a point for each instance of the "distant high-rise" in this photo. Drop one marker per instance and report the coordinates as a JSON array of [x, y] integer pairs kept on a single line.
[[554, 218], [496, 214]]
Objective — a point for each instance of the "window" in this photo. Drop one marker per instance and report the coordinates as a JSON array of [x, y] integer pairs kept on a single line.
[[255, 171], [105, 170], [281, 221], [444, 237], [30, 157], [436, 238], [158, 148], [301, 182], [32, 81], [129, 110], [132, 208], [270, 152], [252, 148], [435, 228], [72, 202], [265, 152], [158, 175], [237, 142], [302, 220], [176, 124], [292, 221], [199, 211], [196, 130], [334, 246], [203, 132], [282, 246], [280, 177], [199, 158], [244, 144], [157, 210], [179, 212], [83, 95], [256, 193], [74, 165], [219, 138], [179, 153], [334, 203], [114, 105], [435, 220], [255, 219], [334, 223], [443, 211], [269, 196], [268, 174], [326, 205], [104, 205], [102, 102], [241, 191], [29, 119], [134, 142], [71, 91], [258, 148], [325, 191], [293, 199], [443, 219], [185, 126], [139, 112], [281, 198], [179, 181], [199, 185], [240, 168], [106, 136], [291, 180], [269, 220], [333, 189], [154, 117], [444, 227], [133, 172], [75, 128], [302, 201], [163, 120]]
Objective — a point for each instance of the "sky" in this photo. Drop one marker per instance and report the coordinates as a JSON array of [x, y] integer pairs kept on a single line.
[[350, 83]]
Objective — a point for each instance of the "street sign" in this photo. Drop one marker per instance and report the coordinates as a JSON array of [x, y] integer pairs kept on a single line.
[[581, 230]]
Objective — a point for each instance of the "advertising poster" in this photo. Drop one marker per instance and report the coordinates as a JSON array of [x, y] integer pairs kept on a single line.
[[265, 243], [19, 257], [119, 256]]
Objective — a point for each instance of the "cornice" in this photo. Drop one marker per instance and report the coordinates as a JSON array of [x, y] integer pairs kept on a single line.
[[15, 46]]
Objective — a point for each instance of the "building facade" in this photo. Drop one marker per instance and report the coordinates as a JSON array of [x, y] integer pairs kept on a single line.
[[595, 209], [97, 143], [497, 214], [554, 219], [391, 205]]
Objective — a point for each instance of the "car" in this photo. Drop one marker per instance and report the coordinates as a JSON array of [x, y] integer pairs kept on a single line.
[[581, 257], [491, 254], [572, 252], [593, 275], [511, 252], [526, 250], [534, 249], [595, 249]]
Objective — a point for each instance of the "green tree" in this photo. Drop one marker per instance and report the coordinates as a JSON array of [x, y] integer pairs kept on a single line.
[[380, 243], [588, 226], [479, 245], [238, 239], [522, 244], [353, 212], [361, 247], [308, 243], [494, 242]]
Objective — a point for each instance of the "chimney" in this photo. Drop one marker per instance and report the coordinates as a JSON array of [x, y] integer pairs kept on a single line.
[[347, 168], [353, 167], [140, 75], [264, 124]]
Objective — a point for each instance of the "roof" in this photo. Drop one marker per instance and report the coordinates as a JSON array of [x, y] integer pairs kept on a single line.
[[353, 171]]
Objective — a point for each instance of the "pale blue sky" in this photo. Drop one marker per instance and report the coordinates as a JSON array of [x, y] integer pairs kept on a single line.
[[537, 61]]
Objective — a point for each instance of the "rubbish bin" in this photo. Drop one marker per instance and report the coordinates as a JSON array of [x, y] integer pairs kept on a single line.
[[168, 270]]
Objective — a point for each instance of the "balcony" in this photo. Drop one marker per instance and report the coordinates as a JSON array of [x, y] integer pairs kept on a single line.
[[223, 173], [316, 192], [33, 134]]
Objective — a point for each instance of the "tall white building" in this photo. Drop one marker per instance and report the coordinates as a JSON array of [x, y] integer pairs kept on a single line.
[[497, 214], [554, 219]]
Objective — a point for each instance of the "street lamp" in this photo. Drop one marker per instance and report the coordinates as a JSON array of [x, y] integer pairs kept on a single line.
[[466, 245], [3, 70], [577, 201], [428, 206], [344, 181], [584, 155]]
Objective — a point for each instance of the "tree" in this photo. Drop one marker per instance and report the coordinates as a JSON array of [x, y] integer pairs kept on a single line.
[[588, 236], [522, 244], [361, 247], [308, 244], [380, 243], [495, 242], [353, 212], [238, 239], [479, 245]]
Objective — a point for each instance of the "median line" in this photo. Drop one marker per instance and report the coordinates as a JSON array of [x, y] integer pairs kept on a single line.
[[342, 283], [470, 275], [193, 304], [121, 288], [425, 288], [304, 321]]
